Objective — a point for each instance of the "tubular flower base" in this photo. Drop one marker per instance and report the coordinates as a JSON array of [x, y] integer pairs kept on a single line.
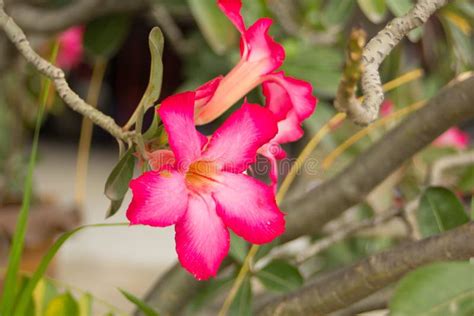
[[200, 187], [289, 99]]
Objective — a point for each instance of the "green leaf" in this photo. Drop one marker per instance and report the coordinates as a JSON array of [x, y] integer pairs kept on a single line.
[[466, 183], [280, 276], [472, 208], [399, 7], [85, 305], [238, 248], [44, 292], [142, 306], [153, 90], [216, 28], [63, 304], [337, 12], [436, 290], [26, 294], [116, 185], [374, 10], [155, 129], [242, 304], [439, 210], [14, 256], [104, 36], [152, 93]]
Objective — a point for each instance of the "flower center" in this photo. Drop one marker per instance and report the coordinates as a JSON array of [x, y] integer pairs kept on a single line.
[[201, 175]]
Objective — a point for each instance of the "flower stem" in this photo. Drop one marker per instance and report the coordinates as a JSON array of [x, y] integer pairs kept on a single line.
[[85, 138], [238, 281]]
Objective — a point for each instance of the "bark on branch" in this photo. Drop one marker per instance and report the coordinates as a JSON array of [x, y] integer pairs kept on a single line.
[[346, 286], [38, 19], [308, 214], [374, 54], [18, 38]]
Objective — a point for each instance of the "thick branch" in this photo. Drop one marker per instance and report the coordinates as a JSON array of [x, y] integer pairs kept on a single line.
[[18, 38], [346, 286], [374, 54], [307, 215], [37, 19], [310, 213]]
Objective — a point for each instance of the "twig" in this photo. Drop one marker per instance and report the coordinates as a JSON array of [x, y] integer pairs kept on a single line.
[[378, 48], [18, 38], [341, 288], [345, 232], [448, 162], [46, 20]]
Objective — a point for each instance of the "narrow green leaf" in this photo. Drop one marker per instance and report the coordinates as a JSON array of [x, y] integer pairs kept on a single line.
[[399, 7], [374, 10], [439, 210], [153, 90], [63, 304], [238, 248], [104, 36], [43, 294], [216, 28], [436, 290], [155, 129], [142, 306], [85, 305], [14, 257], [26, 294], [242, 304], [116, 185], [280, 276]]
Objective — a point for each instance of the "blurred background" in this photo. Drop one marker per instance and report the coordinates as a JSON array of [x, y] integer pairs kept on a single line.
[[199, 44]]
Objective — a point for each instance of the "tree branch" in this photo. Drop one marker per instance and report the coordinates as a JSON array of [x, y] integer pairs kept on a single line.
[[37, 19], [448, 162], [374, 54], [343, 287], [327, 201], [308, 214], [18, 38]]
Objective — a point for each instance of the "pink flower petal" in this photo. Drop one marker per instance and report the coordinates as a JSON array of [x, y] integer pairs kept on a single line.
[[248, 207], [159, 199], [231, 9], [273, 152], [453, 137], [161, 159], [202, 240], [283, 93], [261, 48], [289, 130], [177, 114], [234, 145], [70, 47]]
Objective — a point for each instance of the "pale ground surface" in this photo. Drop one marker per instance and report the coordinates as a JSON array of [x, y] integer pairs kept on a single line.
[[100, 260]]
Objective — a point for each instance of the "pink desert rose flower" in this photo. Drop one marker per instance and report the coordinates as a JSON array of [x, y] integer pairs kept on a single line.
[[386, 108], [200, 187], [291, 100], [453, 137], [70, 47]]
